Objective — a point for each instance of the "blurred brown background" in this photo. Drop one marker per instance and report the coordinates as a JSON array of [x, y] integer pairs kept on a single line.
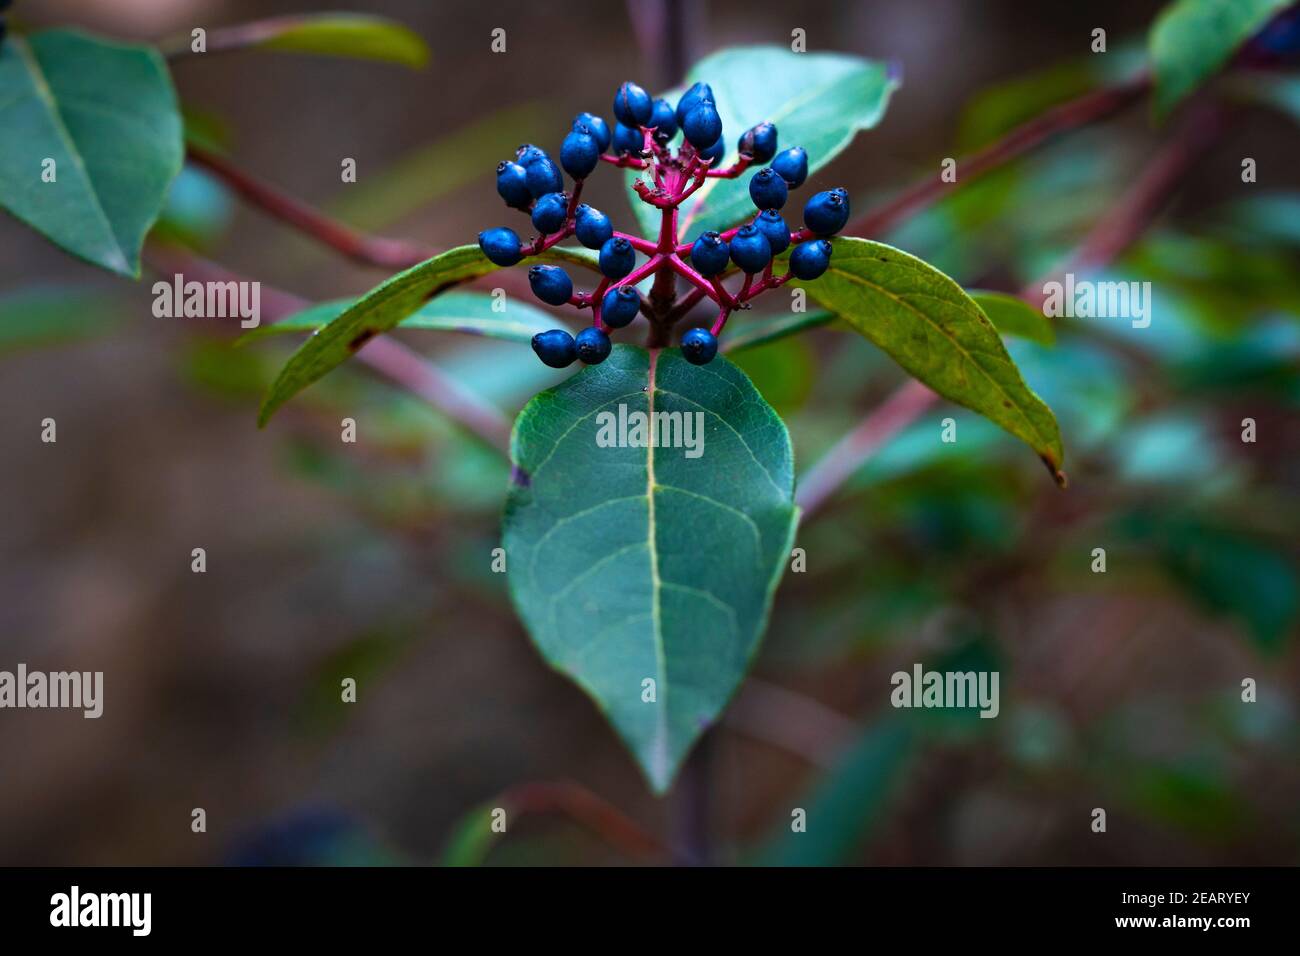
[[221, 688]]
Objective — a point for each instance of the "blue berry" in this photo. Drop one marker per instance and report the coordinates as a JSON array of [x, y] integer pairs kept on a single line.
[[774, 229], [768, 189], [620, 306], [556, 348], [632, 105], [699, 346], [543, 177], [551, 284], [713, 155], [550, 213], [512, 185], [501, 246], [628, 140], [617, 258], [759, 142], [709, 254], [827, 212], [691, 98], [664, 120], [593, 345], [580, 152], [599, 128], [702, 126], [750, 249], [527, 154], [591, 226], [792, 166], [810, 259]]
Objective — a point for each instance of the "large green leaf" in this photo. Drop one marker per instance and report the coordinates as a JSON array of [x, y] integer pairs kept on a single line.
[[817, 101], [106, 114], [937, 333], [1193, 39], [383, 308], [357, 35], [473, 313], [636, 563]]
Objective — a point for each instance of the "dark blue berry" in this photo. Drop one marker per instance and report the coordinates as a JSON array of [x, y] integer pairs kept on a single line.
[[527, 154], [580, 152], [591, 226], [632, 105], [543, 177], [768, 189], [826, 213], [501, 246], [593, 345], [1281, 36], [750, 249], [512, 185], [617, 257], [702, 126], [774, 229], [810, 259], [792, 166], [551, 284], [759, 142], [620, 306], [550, 213], [664, 120], [709, 254], [691, 98], [599, 128], [713, 155], [699, 346], [628, 140], [556, 348]]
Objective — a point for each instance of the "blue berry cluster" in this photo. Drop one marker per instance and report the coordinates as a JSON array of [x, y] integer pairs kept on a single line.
[[642, 138]]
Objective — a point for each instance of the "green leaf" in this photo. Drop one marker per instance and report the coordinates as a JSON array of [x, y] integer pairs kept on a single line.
[[847, 806], [817, 101], [54, 315], [1014, 316], [468, 312], [106, 114], [355, 35], [761, 331], [1192, 39], [633, 563], [471, 839], [383, 308], [937, 333]]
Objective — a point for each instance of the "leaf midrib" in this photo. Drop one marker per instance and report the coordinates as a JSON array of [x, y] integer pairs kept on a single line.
[[656, 585]]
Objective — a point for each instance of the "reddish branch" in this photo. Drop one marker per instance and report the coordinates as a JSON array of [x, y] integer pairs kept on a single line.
[[1079, 112], [590, 811], [393, 254]]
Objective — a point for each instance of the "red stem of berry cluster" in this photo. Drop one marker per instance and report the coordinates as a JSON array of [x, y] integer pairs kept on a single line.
[[674, 179]]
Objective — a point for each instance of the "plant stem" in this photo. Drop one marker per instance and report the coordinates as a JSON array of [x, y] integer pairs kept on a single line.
[[375, 251], [399, 363], [592, 812], [1067, 116], [693, 808], [1105, 241]]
